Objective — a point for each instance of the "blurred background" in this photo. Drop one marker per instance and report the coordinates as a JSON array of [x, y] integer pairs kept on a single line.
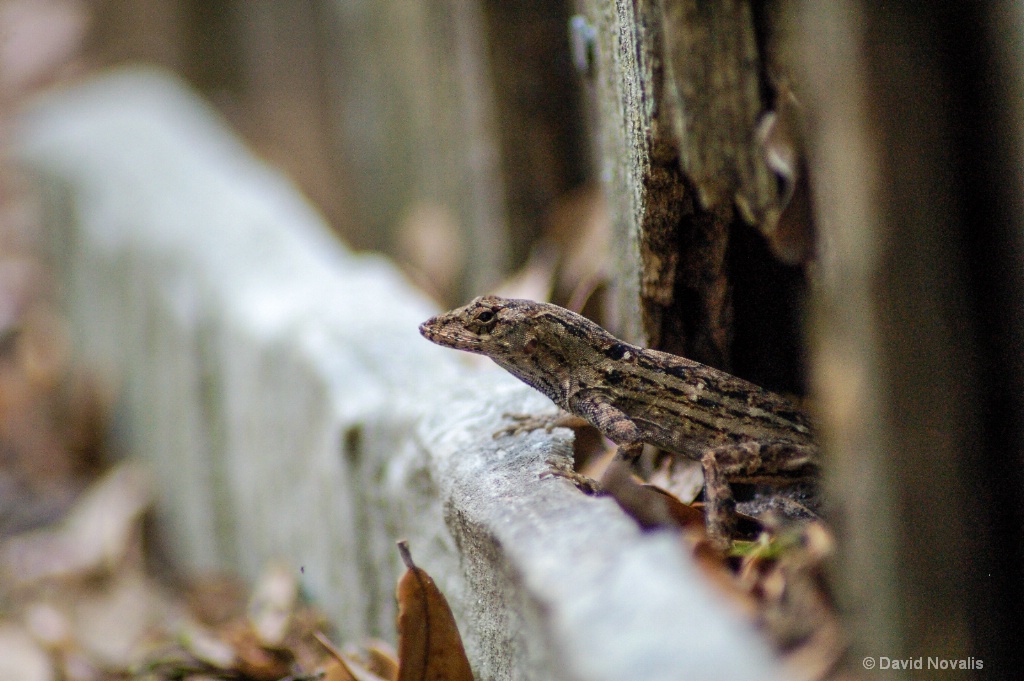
[[448, 135], [458, 138]]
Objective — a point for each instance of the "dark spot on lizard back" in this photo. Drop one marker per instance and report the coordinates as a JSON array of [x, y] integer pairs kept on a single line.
[[711, 405], [571, 327], [678, 393], [679, 371], [616, 351]]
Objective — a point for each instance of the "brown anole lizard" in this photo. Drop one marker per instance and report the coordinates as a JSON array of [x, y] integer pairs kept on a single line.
[[737, 430]]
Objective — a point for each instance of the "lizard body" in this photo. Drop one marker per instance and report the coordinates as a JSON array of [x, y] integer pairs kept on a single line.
[[739, 431]]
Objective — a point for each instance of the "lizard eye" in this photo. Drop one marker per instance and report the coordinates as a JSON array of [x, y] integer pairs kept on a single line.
[[482, 321]]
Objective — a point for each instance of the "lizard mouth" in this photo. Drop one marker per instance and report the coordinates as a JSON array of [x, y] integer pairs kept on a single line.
[[456, 339], [431, 332], [427, 330]]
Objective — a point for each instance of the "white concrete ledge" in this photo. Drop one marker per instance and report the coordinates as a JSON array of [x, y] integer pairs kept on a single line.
[[280, 390]]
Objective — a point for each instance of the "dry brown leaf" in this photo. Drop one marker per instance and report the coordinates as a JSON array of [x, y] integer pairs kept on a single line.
[[112, 618], [649, 505], [683, 478], [595, 457], [207, 648], [362, 673], [380, 658], [789, 227], [820, 654], [429, 645], [346, 667], [75, 665], [99, 532], [21, 657], [272, 603], [683, 514], [216, 598], [714, 566], [254, 659], [336, 670], [784, 574], [48, 624]]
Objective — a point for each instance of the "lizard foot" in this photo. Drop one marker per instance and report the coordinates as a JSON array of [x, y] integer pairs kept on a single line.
[[558, 469], [527, 423]]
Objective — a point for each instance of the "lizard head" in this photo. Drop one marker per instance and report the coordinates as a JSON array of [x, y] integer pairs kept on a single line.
[[539, 343], [489, 325]]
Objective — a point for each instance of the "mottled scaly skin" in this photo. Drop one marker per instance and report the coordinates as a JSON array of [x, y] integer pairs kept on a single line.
[[739, 431]]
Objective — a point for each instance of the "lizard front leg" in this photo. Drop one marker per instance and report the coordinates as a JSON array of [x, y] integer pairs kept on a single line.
[[593, 409], [613, 423], [745, 462], [527, 423]]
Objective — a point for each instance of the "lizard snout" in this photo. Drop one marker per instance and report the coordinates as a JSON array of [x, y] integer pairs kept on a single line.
[[427, 328]]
